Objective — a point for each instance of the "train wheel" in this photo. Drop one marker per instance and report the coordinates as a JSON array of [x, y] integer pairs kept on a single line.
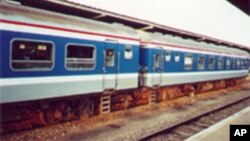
[[198, 88], [54, 114], [53, 117], [87, 107]]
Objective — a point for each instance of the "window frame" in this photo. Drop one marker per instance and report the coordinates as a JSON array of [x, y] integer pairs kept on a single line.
[[234, 63], [209, 65], [238, 63], [245, 63], [204, 58], [170, 56], [228, 67], [79, 69], [177, 55], [242, 64], [113, 59], [223, 62], [159, 62], [132, 51], [185, 68], [32, 40]]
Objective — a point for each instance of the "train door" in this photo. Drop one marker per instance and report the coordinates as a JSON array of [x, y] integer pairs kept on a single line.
[[157, 67], [110, 65]]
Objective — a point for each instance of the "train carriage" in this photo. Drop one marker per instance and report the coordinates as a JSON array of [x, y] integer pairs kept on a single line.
[[55, 67], [169, 60], [47, 55]]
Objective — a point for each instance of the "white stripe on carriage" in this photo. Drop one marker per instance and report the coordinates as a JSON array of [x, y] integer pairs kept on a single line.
[[62, 79]]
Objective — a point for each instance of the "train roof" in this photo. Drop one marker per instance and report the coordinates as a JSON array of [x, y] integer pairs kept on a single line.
[[190, 43], [23, 13], [190, 23]]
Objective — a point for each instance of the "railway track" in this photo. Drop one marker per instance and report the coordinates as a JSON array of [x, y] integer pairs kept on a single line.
[[191, 126]]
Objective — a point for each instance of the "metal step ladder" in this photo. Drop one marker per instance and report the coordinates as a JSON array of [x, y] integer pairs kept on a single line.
[[105, 103], [153, 97]]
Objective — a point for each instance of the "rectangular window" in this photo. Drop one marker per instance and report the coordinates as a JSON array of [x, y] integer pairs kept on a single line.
[[128, 53], [242, 64], [229, 63], [157, 61], [233, 64], [188, 62], [238, 63], [80, 57], [31, 55], [110, 58], [168, 56], [220, 63], [177, 57], [211, 62], [245, 64], [201, 63]]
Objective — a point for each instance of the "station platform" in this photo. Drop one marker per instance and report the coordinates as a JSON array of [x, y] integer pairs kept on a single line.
[[221, 130]]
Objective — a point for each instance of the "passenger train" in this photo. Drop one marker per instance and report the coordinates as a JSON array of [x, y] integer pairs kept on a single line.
[[54, 62]]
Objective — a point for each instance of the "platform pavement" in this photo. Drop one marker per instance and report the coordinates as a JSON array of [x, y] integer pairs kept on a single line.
[[220, 131]]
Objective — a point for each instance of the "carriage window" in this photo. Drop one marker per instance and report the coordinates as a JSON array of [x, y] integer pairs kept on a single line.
[[245, 64], [177, 57], [188, 62], [201, 63], [32, 55], [233, 64], [211, 62], [168, 56], [110, 58], [220, 63], [242, 64], [238, 64], [80, 57], [228, 63], [128, 53], [157, 61]]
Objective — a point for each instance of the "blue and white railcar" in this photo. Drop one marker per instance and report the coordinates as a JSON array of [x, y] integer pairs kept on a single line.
[[48, 55], [167, 60]]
